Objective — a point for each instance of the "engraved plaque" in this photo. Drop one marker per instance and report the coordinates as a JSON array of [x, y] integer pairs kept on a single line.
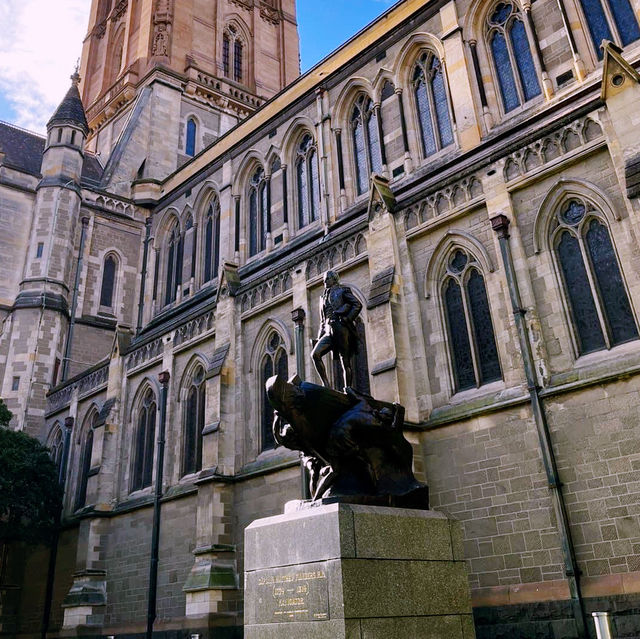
[[296, 593]]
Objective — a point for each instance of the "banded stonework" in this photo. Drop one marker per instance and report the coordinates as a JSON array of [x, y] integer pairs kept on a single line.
[[221, 193]]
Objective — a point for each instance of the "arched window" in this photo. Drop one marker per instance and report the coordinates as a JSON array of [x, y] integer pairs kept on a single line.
[[432, 103], [144, 444], [308, 182], [194, 424], [597, 297], [190, 145], [212, 241], [233, 55], [472, 343], [258, 212], [56, 447], [511, 52], [612, 20], [274, 362], [117, 56], [366, 142], [174, 252], [85, 462], [108, 281]]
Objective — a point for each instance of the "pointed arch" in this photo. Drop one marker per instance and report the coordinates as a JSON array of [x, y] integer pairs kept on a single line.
[[383, 76], [403, 66], [344, 101], [192, 395], [143, 419], [437, 261], [269, 326], [292, 135], [564, 189], [84, 442], [197, 359]]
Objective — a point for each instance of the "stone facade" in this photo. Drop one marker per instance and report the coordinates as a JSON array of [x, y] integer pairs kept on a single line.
[[540, 462]]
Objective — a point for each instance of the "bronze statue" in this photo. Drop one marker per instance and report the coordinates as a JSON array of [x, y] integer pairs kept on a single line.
[[353, 445], [339, 309]]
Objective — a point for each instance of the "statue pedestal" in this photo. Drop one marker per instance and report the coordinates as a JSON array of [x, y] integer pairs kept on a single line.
[[344, 571]]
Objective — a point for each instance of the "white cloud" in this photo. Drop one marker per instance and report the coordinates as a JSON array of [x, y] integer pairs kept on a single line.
[[40, 42]]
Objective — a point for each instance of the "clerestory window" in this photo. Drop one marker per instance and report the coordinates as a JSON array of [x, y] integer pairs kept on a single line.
[[612, 20], [366, 141], [308, 183]]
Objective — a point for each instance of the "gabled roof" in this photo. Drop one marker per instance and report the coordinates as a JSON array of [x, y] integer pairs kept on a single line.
[[71, 109]]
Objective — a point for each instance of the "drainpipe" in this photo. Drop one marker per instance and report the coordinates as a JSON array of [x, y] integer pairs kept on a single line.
[[500, 224], [298, 317], [155, 533], [145, 260], [74, 304], [53, 553]]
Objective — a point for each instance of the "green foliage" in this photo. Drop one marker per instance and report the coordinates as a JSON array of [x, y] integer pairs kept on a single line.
[[30, 496], [5, 414]]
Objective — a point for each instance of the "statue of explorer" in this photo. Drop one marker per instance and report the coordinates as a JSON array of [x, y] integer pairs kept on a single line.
[[339, 309]]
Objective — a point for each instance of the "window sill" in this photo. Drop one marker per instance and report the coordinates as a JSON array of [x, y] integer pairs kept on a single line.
[[464, 397]]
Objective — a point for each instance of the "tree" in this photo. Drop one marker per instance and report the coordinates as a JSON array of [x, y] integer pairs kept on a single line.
[[30, 496]]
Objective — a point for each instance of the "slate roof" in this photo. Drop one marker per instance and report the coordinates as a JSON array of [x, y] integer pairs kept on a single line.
[[71, 110], [23, 151]]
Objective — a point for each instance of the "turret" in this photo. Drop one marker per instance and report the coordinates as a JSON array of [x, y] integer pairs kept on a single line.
[[67, 131]]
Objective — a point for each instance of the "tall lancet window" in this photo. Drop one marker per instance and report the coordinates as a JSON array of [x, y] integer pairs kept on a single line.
[[594, 288], [613, 20], [366, 142], [174, 252], [433, 104], [308, 182], [194, 423], [472, 344], [233, 56], [190, 144], [512, 59], [107, 289], [274, 362], [258, 212], [212, 240], [144, 443]]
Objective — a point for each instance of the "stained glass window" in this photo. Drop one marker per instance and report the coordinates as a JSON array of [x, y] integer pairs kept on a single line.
[[610, 20], [212, 241], [85, 463], [472, 342], [308, 183], [190, 146], [233, 54], [144, 443], [174, 264], [432, 104], [108, 282], [512, 59], [366, 142], [275, 362], [597, 298], [258, 212], [194, 424]]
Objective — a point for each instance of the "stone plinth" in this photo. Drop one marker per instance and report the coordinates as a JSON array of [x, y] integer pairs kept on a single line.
[[346, 571]]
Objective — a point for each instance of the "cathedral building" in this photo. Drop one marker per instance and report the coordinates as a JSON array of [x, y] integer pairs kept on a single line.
[[470, 168]]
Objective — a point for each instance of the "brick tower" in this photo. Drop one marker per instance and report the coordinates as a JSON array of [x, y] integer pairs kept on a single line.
[[162, 79]]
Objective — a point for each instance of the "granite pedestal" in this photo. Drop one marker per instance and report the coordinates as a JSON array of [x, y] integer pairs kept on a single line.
[[345, 571]]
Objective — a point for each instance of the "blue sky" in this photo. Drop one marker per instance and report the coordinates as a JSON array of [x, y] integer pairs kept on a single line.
[[40, 41]]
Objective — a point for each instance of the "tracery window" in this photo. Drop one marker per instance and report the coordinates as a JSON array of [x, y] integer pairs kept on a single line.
[[308, 181], [85, 463], [108, 281], [612, 20], [258, 212], [366, 142], [175, 253], [274, 362], [56, 447], [472, 343], [190, 145], [212, 241], [511, 52], [194, 424], [432, 104], [595, 291], [144, 444], [233, 54]]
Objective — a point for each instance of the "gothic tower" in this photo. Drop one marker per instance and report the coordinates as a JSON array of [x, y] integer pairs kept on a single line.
[[162, 79]]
